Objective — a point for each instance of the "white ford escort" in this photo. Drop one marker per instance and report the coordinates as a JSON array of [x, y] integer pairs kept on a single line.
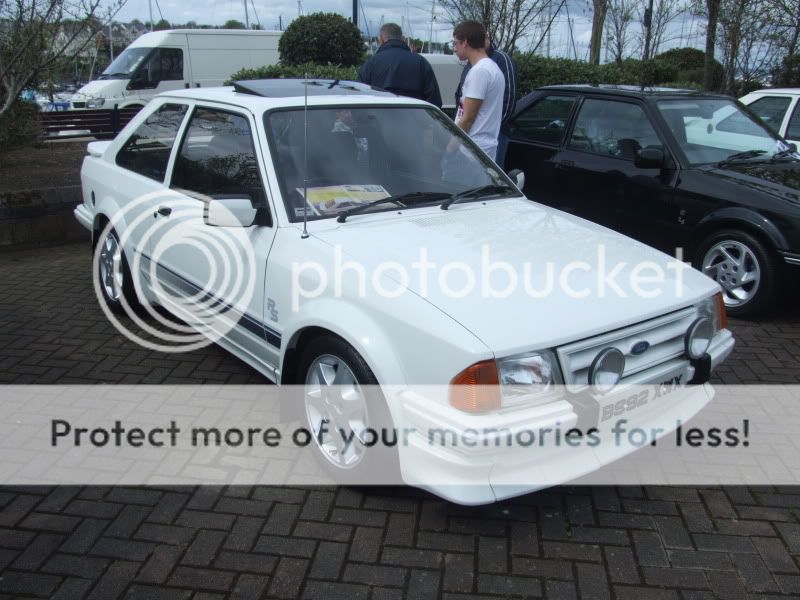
[[339, 237]]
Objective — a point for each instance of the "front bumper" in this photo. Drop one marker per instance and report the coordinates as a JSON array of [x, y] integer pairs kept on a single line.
[[487, 470], [84, 216]]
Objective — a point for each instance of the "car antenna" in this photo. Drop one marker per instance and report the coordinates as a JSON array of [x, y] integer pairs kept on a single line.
[[305, 158]]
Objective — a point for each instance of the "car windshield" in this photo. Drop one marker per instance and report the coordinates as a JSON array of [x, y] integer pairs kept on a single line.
[[359, 154], [125, 64], [714, 130]]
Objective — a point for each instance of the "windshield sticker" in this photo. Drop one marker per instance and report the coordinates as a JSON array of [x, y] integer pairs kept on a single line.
[[335, 197]]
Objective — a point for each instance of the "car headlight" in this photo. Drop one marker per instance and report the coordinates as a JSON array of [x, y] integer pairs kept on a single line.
[[698, 337], [606, 370], [95, 103], [524, 379], [713, 309]]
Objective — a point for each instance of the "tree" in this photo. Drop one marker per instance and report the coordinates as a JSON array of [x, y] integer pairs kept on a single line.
[[598, 19], [321, 38], [234, 24], [35, 35], [162, 25], [618, 20], [665, 12], [506, 21], [712, 12]]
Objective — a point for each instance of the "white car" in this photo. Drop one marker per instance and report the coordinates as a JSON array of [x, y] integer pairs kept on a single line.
[[288, 219], [779, 109]]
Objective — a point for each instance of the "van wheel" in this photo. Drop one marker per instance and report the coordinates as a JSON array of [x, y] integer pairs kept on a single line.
[[113, 274], [743, 267], [345, 413]]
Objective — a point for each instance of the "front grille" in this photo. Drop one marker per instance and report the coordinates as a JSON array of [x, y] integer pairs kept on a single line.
[[79, 105], [664, 334]]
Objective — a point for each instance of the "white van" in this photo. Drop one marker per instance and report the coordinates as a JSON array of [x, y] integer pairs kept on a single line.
[[173, 59], [447, 69]]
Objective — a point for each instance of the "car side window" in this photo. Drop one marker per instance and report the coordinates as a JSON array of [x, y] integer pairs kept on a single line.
[[148, 148], [771, 110], [740, 122], [164, 64], [611, 128], [793, 131], [545, 121], [217, 157]]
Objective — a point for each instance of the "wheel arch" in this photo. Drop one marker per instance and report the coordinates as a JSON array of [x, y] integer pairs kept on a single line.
[[738, 218]]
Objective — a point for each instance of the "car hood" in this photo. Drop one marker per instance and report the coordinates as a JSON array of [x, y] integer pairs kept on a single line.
[[96, 89], [533, 240], [780, 179]]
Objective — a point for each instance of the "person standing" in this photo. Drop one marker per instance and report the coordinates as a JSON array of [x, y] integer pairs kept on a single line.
[[398, 70], [511, 74], [479, 108]]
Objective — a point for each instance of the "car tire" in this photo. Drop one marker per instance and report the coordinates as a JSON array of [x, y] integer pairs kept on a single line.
[[114, 283], [744, 267], [330, 366]]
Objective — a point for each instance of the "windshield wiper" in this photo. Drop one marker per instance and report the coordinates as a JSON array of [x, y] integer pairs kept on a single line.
[[413, 198], [783, 154], [483, 190], [742, 156]]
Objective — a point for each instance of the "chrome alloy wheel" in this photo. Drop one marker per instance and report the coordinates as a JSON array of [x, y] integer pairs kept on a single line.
[[111, 266], [334, 398], [735, 267]]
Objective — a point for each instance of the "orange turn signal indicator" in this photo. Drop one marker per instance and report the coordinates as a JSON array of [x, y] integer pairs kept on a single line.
[[477, 388]]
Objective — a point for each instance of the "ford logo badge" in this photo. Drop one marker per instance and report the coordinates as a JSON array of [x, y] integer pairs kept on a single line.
[[640, 348]]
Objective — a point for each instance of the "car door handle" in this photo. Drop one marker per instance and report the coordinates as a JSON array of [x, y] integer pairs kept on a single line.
[[165, 211], [565, 164]]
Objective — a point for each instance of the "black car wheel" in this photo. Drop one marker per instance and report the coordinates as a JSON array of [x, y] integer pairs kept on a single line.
[[743, 267], [342, 401]]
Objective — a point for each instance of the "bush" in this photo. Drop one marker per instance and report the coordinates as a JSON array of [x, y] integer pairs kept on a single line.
[[295, 72], [321, 38], [20, 126], [690, 64], [788, 73]]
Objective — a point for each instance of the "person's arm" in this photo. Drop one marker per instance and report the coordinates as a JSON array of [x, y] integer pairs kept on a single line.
[[431, 91], [363, 73], [470, 113]]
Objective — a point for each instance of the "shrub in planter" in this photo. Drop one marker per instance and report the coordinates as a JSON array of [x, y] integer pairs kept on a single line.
[[321, 38], [20, 125]]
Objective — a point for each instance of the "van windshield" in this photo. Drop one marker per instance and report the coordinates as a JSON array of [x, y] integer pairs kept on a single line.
[[125, 64]]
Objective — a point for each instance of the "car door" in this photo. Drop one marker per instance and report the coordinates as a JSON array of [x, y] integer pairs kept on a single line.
[[599, 175], [536, 136], [792, 131], [214, 274], [774, 110]]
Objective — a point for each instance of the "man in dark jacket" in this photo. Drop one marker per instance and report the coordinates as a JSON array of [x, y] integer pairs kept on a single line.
[[396, 69], [510, 71]]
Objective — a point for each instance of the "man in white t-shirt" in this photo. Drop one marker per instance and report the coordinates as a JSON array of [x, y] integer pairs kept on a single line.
[[480, 107]]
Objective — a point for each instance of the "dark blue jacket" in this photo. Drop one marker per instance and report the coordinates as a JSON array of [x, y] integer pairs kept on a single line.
[[398, 70]]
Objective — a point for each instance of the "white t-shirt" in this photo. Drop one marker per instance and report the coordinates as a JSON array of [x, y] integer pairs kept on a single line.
[[484, 82]]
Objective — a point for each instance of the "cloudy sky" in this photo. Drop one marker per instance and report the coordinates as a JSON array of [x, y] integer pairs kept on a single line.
[[413, 15]]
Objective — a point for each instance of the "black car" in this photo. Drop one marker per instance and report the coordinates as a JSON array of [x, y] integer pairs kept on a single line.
[[673, 169]]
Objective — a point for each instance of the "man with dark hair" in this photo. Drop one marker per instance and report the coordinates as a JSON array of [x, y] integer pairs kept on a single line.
[[511, 74], [480, 103], [396, 69]]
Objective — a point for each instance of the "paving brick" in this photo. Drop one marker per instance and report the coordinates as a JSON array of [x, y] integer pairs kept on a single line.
[[649, 549], [72, 589], [642, 593], [281, 546], [571, 551], [28, 584], [754, 573], [127, 521], [168, 507], [38, 552], [17, 509], [204, 579], [542, 567], [775, 555], [621, 565], [433, 516], [288, 572], [453, 542], [592, 582], [673, 533], [524, 539], [165, 534], [702, 559], [15, 538], [326, 590], [423, 584], [317, 506], [328, 561], [112, 585], [724, 543], [509, 585], [370, 518], [459, 573], [122, 549], [323, 531], [205, 520], [492, 555], [78, 566], [204, 548], [249, 587], [46, 522], [400, 530], [282, 519], [407, 557], [238, 506], [366, 544], [244, 533], [248, 562], [160, 564]]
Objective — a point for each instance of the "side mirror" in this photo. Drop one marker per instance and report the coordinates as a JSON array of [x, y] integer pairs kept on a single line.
[[518, 177], [792, 147], [649, 158], [230, 212]]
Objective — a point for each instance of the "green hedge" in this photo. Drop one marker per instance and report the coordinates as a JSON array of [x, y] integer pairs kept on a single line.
[[321, 37], [20, 125], [534, 72]]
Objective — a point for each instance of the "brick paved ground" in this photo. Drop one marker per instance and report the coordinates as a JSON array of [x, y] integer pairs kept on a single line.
[[244, 542]]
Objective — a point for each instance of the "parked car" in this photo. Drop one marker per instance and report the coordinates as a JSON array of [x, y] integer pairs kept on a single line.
[[202, 163], [673, 169], [778, 108]]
